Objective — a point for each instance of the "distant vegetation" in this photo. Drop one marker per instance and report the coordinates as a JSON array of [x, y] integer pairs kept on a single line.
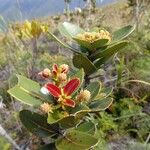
[[27, 9]]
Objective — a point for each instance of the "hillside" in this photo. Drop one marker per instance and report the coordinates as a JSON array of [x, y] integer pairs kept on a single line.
[[27, 9]]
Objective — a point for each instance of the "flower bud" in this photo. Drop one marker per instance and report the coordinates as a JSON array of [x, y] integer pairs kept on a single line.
[[84, 96], [103, 34], [62, 77], [94, 36], [46, 108], [64, 68], [55, 68], [45, 73]]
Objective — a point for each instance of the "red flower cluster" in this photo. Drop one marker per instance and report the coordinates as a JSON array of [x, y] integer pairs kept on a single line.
[[60, 92], [58, 73]]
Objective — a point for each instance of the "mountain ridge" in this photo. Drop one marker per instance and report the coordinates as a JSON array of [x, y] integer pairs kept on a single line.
[[15, 10]]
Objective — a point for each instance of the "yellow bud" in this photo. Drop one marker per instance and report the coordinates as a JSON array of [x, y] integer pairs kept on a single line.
[[94, 36], [46, 108], [103, 34], [84, 96]]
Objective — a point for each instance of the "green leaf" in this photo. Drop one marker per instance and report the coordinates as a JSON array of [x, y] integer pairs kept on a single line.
[[123, 32], [107, 53], [105, 92], [33, 87], [94, 88], [69, 121], [81, 61], [28, 84], [64, 44], [35, 123], [54, 117], [83, 43], [28, 92], [24, 96], [78, 108], [99, 105], [69, 30], [108, 91], [80, 111], [80, 114], [50, 146], [100, 43], [91, 46], [110, 50], [87, 127], [76, 140], [65, 122]]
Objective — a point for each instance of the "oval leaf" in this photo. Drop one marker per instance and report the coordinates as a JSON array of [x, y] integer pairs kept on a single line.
[[108, 53], [69, 30], [25, 96], [110, 50], [94, 88], [92, 46], [50, 146], [65, 122], [76, 140], [105, 92], [99, 105], [87, 127], [123, 32], [80, 114], [81, 61], [35, 123], [79, 108], [83, 43], [28, 84], [63, 44], [100, 43], [28, 92]]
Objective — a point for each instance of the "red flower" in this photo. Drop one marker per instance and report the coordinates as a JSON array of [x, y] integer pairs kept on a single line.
[[64, 94]]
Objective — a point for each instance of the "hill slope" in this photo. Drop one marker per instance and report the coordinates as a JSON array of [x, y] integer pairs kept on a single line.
[[27, 9]]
